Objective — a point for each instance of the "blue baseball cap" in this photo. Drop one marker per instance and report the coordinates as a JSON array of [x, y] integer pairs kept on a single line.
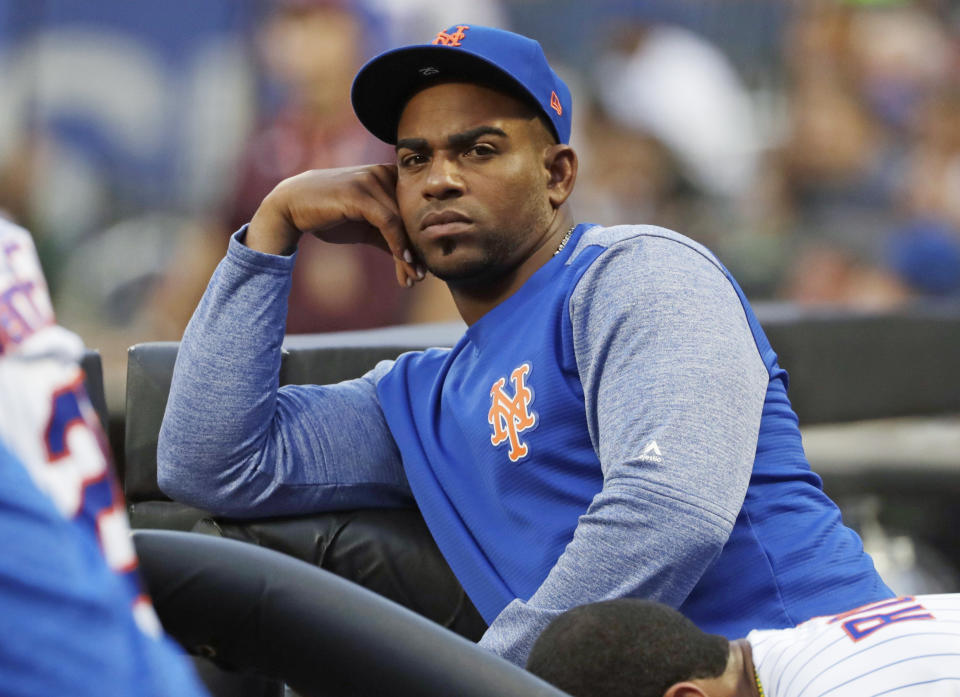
[[469, 53]]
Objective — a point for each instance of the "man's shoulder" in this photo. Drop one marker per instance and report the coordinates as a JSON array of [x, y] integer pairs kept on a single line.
[[418, 364], [651, 239]]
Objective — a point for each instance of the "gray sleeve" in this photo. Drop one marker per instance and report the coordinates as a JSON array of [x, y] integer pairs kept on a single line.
[[233, 443], [674, 388]]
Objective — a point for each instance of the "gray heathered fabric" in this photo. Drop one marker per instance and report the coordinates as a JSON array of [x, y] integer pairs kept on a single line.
[[233, 444], [665, 354]]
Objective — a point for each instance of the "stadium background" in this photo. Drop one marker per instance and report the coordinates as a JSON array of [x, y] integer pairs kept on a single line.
[[815, 146]]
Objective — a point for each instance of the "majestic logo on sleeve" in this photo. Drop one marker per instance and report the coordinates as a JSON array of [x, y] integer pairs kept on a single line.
[[651, 453], [511, 416], [452, 39]]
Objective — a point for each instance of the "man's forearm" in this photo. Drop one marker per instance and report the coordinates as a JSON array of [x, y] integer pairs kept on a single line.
[[233, 443], [632, 542], [224, 385]]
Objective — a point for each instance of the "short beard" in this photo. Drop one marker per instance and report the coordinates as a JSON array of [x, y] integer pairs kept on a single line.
[[487, 269]]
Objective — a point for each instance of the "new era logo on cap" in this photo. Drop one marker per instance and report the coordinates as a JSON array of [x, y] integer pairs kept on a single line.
[[471, 53], [555, 104]]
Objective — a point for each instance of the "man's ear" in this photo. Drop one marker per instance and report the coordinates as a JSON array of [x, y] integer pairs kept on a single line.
[[560, 162], [685, 689]]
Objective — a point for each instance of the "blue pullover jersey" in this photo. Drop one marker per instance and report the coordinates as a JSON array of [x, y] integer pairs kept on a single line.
[[497, 448]]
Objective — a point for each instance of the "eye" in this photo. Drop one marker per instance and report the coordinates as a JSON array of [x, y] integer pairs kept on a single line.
[[481, 150], [412, 160]]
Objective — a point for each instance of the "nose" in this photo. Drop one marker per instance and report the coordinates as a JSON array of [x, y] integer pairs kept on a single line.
[[444, 179]]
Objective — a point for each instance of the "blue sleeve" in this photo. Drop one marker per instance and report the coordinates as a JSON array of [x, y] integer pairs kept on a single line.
[[233, 443], [657, 319]]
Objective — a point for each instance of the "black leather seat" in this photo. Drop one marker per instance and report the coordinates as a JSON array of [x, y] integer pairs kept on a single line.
[[92, 365]]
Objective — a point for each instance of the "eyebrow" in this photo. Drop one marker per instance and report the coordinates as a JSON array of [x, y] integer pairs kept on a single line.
[[457, 140]]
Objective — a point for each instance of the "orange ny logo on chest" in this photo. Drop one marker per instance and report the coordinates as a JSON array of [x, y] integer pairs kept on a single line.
[[510, 416]]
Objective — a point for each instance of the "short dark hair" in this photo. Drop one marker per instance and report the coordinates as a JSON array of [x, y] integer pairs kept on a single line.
[[627, 647]]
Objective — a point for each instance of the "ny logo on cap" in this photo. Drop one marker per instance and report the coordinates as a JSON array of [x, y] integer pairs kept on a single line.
[[454, 39]]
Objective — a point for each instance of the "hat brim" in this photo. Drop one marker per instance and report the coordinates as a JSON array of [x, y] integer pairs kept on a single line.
[[385, 84]]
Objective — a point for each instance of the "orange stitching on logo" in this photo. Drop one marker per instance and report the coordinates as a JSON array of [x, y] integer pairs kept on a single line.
[[454, 39], [555, 104], [509, 416]]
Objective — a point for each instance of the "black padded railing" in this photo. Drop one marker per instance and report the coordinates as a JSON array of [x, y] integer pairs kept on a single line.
[[852, 366], [256, 609]]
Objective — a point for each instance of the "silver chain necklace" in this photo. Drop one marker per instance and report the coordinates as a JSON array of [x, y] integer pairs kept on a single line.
[[566, 238]]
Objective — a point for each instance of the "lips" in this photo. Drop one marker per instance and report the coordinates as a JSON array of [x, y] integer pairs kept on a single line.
[[444, 222]]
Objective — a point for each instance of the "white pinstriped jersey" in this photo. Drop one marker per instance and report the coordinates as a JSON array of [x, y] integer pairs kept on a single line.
[[47, 420], [73, 617], [902, 647]]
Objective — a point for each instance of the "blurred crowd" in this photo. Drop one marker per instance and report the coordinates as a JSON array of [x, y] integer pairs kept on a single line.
[[813, 145]]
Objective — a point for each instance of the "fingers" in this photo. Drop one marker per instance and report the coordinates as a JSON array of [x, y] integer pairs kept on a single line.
[[391, 227], [403, 273], [383, 215], [352, 205], [387, 174]]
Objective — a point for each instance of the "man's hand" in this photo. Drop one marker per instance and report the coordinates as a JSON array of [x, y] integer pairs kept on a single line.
[[350, 205]]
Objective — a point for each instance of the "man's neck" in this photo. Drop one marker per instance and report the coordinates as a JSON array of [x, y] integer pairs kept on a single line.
[[474, 300], [736, 680], [747, 677]]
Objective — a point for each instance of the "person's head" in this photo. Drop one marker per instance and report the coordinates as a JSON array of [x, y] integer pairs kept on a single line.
[[481, 124], [631, 647], [311, 48]]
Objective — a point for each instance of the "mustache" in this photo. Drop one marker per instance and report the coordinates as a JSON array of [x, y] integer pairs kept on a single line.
[[440, 216]]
